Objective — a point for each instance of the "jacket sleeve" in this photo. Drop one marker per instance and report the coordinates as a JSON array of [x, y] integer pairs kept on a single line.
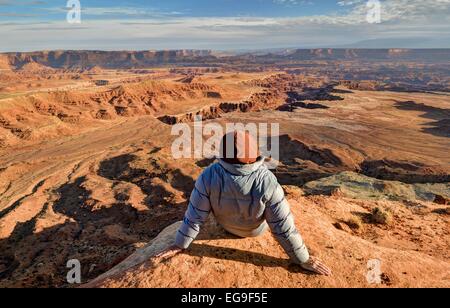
[[196, 214], [281, 222]]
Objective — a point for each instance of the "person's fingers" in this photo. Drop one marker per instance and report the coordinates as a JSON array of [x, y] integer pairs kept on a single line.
[[168, 252], [171, 253], [319, 271], [324, 267], [165, 254], [319, 267], [161, 255], [325, 271], [316, 266]]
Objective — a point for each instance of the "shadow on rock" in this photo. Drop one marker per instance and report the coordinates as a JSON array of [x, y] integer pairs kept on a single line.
[[243, 256], [98, 233], [406, 172], [440, 127], [302, 163], [156, 181]]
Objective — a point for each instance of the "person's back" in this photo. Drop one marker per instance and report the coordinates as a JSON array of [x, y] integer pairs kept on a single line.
[[238, 194], [246, 199]]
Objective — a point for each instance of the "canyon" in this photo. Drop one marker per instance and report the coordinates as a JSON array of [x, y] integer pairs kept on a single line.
[[86, 170]]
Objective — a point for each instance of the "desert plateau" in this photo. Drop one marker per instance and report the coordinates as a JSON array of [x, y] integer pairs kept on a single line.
[[86, 170]]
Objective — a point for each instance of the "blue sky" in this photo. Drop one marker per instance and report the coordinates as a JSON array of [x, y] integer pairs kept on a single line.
[[46, 10], [222, 24]]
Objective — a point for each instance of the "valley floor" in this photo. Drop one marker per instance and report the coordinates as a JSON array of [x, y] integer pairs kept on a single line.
[[99, 195]]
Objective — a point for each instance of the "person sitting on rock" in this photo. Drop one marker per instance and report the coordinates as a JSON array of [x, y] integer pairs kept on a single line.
[[246, 199]]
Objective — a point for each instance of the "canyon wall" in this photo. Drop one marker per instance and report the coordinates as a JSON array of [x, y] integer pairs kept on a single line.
[[140, 59]]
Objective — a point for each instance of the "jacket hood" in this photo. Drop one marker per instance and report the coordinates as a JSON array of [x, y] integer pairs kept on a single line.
[[242, 169]]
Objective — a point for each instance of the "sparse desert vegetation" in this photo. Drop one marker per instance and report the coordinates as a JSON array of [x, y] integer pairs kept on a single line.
[[381, 216], [355, 223]]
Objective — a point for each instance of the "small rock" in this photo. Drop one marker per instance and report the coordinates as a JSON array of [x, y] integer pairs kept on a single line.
[[445, 211], [92, 268], [385, 279], [441, 200], [343, 227]]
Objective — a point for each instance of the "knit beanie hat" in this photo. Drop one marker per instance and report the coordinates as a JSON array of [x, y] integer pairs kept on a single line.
[[239, 148]]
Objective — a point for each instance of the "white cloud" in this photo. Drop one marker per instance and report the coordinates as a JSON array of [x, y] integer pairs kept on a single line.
[[423, 22], [125, 12]]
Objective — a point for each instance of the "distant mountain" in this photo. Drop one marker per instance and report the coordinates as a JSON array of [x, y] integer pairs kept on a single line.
[[143, 59], [106, 59], [364, 54], [410, 43]]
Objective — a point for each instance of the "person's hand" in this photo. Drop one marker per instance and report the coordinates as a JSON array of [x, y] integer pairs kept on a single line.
[[316, 266], [169, 252]]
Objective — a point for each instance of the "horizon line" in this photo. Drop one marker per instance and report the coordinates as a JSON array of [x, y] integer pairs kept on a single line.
[[225, 50]]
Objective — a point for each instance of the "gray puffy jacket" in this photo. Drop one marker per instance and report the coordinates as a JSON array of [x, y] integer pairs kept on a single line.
[[243, 199]]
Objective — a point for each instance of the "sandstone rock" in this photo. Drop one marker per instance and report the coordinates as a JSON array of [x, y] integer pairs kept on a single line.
[[354, 185], [164, 240], [217, 259]]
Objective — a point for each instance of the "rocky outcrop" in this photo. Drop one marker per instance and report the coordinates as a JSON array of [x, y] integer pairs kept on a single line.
[[311, 94], [163, 241], [99, 202], [405, 171], [266, 100], [71, 110], [208, 113], [277, 90], [218, 259], [353, 185]]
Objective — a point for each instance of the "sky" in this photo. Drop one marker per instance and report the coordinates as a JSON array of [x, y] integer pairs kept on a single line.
[[27, 25]]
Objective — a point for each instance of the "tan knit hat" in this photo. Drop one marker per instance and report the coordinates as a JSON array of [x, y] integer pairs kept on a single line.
[[239, 147]]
